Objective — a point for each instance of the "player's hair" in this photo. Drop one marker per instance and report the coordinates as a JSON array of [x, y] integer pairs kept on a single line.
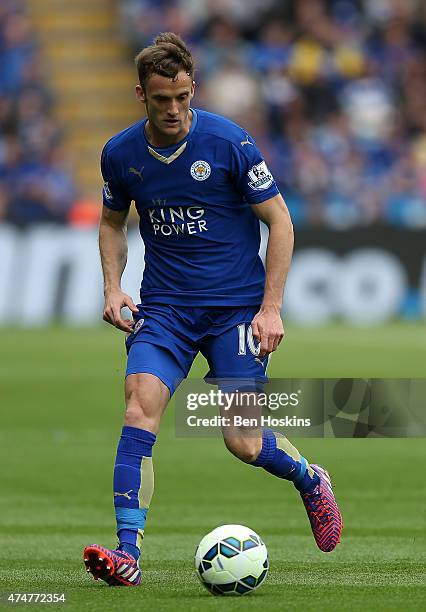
[[167, 56]]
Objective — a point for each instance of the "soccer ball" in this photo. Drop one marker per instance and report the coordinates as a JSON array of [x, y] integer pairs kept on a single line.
[[231, 560]]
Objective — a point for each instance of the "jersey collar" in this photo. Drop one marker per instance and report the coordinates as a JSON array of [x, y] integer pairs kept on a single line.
[[167, 155]]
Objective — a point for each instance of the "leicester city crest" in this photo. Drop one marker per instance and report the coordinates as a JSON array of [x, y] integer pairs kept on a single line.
[[200, 170]]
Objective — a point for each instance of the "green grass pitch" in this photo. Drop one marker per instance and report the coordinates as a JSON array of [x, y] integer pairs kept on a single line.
[[61, 399]]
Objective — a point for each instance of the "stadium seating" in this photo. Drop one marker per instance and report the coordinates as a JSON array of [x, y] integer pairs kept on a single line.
[[332, 91], [92, 76]]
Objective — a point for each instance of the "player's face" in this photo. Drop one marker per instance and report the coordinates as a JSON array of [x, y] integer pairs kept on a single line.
[[167, 103]]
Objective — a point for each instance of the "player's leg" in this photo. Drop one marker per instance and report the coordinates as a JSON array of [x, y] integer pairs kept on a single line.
[[273, 452], [156, 362], [243, 368], [133, 483], [146, 399], [264, 448], [160, 354], [268, 449]]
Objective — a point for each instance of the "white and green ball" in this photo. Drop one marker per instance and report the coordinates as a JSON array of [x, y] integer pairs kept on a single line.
[[231, 560]]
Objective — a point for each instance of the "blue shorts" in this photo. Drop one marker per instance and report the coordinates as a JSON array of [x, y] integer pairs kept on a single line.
[[166, 340]]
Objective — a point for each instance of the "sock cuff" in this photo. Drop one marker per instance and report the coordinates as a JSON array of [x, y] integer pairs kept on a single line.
[[303, 467], [137, 442], [269, 446], [139, 434]]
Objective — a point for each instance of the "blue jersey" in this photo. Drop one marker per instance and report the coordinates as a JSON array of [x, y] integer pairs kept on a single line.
[[194, 201]]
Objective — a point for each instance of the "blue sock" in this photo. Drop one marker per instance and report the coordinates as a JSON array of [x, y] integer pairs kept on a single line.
[[133, 486], [280, 458]]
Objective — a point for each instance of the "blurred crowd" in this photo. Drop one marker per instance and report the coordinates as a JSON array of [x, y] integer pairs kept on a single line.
[[36, 184], [333, 91]]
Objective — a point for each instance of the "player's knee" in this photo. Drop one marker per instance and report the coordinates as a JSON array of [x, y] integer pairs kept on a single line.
[[142, 410], [245, 449], [138, 414], [135, 417], [133, 414]]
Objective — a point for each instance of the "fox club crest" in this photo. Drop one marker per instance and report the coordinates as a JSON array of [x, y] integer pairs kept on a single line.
[[200, 170]]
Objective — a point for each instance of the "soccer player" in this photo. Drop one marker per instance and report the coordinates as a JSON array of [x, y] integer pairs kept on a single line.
[[200, 186]]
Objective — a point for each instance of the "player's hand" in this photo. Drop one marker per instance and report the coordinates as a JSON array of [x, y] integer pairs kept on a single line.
[[268, 329], [114, 301]]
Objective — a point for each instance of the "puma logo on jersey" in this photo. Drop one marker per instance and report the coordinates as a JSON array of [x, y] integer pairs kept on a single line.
[[126, 495], [246, 141], [137, 172]]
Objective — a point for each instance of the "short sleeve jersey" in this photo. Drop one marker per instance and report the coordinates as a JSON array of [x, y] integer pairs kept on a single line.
[[194, 200]]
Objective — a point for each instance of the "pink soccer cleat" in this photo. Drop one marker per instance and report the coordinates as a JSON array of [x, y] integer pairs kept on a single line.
[[323, 512], [115, 567]]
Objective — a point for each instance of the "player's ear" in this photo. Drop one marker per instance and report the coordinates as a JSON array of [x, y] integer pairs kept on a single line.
[[192, 89], [140, 94]]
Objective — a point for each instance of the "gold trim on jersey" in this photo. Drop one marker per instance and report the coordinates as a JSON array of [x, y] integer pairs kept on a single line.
[[171, 158]]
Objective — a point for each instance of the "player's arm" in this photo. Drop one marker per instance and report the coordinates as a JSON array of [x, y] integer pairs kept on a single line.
[[113, 250], [267, 325]]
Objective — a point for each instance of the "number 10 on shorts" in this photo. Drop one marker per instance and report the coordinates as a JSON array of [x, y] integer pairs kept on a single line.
[[245, 338]]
